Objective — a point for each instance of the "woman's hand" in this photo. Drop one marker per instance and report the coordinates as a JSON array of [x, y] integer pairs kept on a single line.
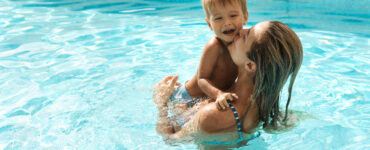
[[162, 93], [164, 89]]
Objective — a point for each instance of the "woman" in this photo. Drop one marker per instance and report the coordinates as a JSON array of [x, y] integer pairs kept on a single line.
[[266, 55]]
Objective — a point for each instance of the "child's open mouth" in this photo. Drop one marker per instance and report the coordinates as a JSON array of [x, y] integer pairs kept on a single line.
[[229, 32]]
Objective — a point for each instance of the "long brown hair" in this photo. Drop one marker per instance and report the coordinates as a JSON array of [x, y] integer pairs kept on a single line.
[[278, 55]]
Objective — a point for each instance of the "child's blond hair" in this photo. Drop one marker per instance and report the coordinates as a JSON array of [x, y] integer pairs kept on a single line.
[[207, 4]]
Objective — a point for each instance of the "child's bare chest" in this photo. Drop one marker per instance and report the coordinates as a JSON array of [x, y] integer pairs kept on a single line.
[[224, 64], [225, 72]]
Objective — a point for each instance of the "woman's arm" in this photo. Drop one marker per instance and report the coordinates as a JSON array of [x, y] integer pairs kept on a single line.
[[208, 119], [162, 93]]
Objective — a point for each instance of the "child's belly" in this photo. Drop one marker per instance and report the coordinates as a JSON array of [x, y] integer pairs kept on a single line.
[[223, 79]]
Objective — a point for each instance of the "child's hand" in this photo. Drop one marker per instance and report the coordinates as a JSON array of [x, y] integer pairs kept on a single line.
[[221, 100]]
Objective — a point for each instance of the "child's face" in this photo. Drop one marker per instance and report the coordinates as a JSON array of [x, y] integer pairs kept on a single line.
[[243, 42], [226, 20]]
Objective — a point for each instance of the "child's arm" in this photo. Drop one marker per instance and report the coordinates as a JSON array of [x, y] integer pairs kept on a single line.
[[207, 63]]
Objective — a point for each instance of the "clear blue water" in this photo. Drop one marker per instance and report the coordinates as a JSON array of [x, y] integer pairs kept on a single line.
[[78, 74]]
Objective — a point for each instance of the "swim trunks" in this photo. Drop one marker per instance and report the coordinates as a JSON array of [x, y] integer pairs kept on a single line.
[[181, 95]]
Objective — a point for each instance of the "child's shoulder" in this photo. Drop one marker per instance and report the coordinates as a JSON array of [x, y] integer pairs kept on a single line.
[[213, 45]]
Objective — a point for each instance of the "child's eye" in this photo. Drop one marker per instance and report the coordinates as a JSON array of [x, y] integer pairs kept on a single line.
[[232, 16], [218, 18]]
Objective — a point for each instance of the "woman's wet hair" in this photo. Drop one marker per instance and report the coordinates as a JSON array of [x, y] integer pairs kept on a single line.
[[278, 55]]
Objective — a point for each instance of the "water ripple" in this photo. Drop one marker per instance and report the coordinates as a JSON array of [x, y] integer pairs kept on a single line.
[[99, 6], [51, 4]]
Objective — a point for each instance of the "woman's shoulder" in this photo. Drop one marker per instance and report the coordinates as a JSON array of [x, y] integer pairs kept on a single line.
[[212, 120], [251, 120]]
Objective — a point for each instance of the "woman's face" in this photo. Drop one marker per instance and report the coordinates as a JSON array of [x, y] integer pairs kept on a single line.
[[242, 43]]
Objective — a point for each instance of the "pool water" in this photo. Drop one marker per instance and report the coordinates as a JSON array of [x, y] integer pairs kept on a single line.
[[78, 74]]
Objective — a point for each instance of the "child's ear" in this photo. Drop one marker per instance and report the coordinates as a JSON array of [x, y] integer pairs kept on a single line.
[[250, 66], [209, 25], [245, 18]]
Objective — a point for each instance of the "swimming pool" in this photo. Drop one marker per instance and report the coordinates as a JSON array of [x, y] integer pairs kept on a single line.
[[79, 74]]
